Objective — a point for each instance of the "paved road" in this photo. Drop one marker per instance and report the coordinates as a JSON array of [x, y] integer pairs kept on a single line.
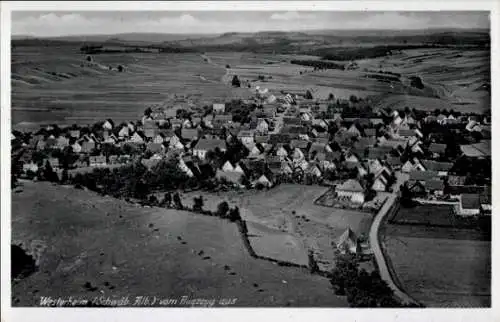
[[379, 255]]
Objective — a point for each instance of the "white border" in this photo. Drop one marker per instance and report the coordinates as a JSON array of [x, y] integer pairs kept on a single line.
[[125, 314]]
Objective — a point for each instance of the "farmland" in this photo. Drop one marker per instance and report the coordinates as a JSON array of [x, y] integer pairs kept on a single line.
[[44, 87], [435, 261], [123, 250], [288, 219]]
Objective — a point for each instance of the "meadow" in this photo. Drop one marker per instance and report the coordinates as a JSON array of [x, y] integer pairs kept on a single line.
[[285, 222], [119, 249], [435, 261], [56, 84]]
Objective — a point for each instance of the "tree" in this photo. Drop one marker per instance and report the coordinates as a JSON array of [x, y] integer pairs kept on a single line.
[[178, 201], [222, 209], [121, 68], [234, 214], [152, 200], [167, 199], [198, 203], [235, 82], [406, 196], [148, 111], [353, 99], [49, 174], [331, 97], [64, 176], [309, 95]]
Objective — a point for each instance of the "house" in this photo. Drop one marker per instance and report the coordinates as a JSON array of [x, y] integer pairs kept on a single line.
[[155, 148], [205, 145], [264, 181], [256, 151], [136, 138], [76, 147], [231, 176], [441, 168], [422, 175], [246, 137], [348, 243], [469, 204], [189, 134], [434, 186], [353, 129], [380, 183], [32, 166], [477, 150], [176, 123], [150, 129], [97, 161], [124, 132], [351, 189], [412, 165], [87, 146], [227, 167], [437, 149], [74, 134], [281, 152], [370, 132], [394, 162], [376, 121], [159, 138], [297, 154], [473, 126], [221, 121], [54, 163], [107, 125], [262, 126], [313, 170], [219, 107]]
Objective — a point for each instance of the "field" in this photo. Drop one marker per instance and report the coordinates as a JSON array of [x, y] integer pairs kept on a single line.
[[431, 215], [288, 219], [439, 265], [55, 84], [123, 250], [91, 93]]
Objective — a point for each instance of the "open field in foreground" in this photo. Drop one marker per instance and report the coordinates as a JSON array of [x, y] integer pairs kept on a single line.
[[439, 266], [288, 213], [123, 250]]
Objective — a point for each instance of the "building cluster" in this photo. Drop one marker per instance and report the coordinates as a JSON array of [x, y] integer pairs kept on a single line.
[[286, 138]]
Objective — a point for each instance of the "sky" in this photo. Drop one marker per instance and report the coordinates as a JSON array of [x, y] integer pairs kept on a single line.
[[51, 24]]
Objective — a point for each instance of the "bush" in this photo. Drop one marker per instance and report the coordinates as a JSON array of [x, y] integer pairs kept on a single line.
[[222, 209]]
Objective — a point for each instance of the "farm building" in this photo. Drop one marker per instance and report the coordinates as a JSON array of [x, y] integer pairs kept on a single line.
[[469, 204], [351, 189], [205, 145], [219, 107], [97, 161], [263, 180], [348, 243]]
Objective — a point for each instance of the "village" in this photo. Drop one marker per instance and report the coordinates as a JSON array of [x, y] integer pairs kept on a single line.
[[273, 139]]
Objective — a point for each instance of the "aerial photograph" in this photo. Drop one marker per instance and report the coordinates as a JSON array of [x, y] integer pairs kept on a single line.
[[333, 159]]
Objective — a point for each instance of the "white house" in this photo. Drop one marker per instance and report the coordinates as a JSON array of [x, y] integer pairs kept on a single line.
[[76, 147], [351, 189], [380, 183], [219, 108], [107, 125], [348, 242]]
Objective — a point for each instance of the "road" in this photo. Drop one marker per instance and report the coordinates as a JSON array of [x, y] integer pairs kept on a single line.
[[379, 255]]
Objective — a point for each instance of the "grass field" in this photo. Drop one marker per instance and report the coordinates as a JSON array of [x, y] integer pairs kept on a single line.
[[87, 94], [288, 219], [442, 272], [123, 250], [436, 262], [45, 89]]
